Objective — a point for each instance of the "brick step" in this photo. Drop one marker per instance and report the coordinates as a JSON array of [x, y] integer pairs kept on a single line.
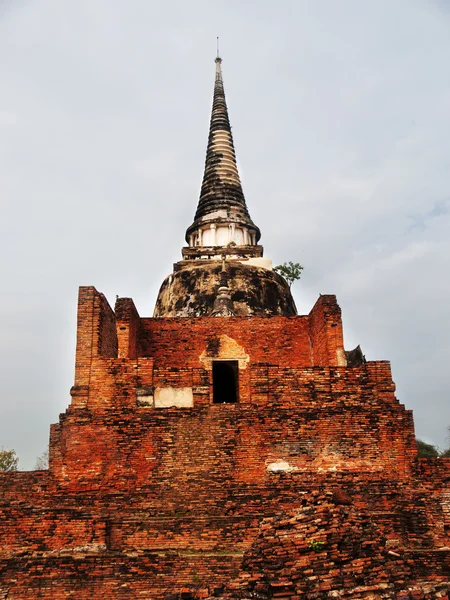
[[116, 575]]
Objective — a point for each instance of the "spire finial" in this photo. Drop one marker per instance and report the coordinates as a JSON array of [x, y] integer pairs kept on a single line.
[[218, 59]]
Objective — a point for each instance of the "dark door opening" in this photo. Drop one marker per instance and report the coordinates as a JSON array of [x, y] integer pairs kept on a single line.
[[225, 381]]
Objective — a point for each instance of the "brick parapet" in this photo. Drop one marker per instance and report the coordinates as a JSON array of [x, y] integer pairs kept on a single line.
[[325, 330], [96, 336], [127, 324], [180, 342]]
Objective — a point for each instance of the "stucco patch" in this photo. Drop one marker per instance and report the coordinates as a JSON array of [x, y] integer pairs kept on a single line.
[[179, 397]]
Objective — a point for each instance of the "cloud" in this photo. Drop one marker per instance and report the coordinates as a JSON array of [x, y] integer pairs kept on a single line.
[[421, 221], [340, 120]]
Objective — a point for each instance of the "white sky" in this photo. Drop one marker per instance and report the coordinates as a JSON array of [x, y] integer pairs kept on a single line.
[[340, 114]]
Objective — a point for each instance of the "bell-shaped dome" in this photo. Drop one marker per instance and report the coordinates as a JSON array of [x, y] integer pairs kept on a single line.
[[191, 291]]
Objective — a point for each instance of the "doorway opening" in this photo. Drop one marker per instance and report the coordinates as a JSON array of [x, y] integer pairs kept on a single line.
[[225, 381]]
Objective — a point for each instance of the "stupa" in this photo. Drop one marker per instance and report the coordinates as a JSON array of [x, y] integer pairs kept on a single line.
[[226, 446]]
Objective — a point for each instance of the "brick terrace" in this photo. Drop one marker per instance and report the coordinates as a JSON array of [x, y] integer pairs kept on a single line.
[[142, 501]]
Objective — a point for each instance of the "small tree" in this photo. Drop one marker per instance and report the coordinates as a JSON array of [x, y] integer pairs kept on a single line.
[[9, 460], [446, 453], [42, 461], [290, 271], [426, 450]]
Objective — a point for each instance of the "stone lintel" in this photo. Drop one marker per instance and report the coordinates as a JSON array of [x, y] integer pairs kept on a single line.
[[220, 252]]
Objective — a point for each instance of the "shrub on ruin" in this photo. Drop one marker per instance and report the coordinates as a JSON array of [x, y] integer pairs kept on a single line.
[[42, 461], [290, 271], [426, 450], [9, 461]]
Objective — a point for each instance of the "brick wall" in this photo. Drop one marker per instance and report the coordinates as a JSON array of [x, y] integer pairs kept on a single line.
[[143, 502], [325, 329], [313, 418]]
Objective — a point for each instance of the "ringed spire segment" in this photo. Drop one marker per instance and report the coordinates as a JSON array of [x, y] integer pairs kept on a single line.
[[222, 202]]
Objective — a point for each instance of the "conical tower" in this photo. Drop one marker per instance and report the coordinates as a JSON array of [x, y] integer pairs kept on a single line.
[[223, 242], [222, 218]]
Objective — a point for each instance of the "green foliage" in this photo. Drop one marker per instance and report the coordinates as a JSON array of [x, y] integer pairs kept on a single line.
[[290, 271], [426, 450], [429, 451], [42, 461], [446, 453], [9, 460], [316, 546]]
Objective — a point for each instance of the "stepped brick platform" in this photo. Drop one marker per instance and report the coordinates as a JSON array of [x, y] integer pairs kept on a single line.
[[156, 491], [227, 447]]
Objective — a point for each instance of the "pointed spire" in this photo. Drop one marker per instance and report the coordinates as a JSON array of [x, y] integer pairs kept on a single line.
[[221, 191], [221, 187]]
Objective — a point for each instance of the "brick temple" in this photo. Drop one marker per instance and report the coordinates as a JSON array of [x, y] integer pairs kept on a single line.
[[227, 446]]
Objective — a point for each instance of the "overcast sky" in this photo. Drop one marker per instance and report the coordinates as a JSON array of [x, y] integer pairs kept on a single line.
[[340, 114]]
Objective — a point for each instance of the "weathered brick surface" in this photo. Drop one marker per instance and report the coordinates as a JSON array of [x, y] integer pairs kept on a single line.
[[314, 419], [326, 547], [147, 502]]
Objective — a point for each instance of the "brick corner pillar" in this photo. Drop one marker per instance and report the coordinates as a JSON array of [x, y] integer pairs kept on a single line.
[[96, 336], [127, 325], [326, 334]]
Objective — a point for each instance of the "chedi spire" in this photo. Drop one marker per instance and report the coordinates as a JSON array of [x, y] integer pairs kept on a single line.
[[222, 218], [223, 272]]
